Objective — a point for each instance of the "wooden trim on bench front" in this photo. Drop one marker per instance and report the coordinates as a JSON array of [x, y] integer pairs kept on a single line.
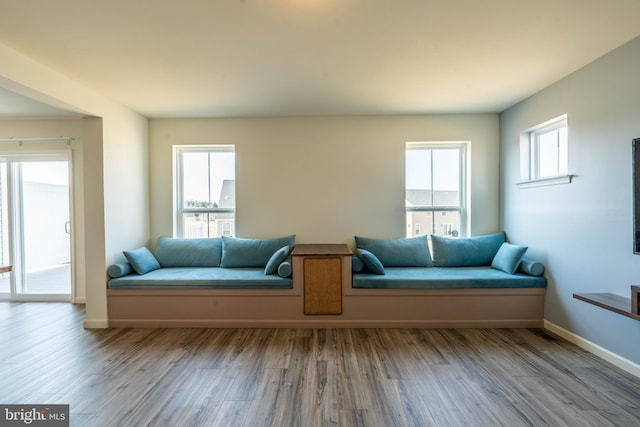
[[457, 308]]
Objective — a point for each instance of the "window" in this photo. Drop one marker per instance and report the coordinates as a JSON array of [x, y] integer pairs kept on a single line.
[[544, 152], [435, 188], [205, 195]]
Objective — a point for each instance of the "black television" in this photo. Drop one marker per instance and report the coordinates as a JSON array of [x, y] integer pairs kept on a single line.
[[636, 195]]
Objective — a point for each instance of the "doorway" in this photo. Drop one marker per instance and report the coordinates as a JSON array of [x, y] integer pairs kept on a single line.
[[35, 228]]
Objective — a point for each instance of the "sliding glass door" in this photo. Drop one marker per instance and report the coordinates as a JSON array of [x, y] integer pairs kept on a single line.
[[35, 228]]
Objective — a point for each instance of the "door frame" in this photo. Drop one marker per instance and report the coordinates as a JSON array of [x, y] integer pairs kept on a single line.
[[43, 155]]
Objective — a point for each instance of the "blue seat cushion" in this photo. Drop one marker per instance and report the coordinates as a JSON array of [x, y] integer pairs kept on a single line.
[[446, 278], [202, 278]]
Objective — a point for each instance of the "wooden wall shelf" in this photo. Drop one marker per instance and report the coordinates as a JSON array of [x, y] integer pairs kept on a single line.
[[617, 303]]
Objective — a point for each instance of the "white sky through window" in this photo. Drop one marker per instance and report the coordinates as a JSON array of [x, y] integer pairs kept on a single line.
[[46, 172], [446, 171], [196, 174]]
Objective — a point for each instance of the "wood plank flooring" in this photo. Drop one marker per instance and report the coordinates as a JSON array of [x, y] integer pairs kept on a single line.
[[305, 377]]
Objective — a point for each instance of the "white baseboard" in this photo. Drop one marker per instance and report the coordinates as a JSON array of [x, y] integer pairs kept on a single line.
[[587, 345], [95, 324]]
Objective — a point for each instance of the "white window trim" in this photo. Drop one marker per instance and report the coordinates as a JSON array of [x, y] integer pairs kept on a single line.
[[179, 208], [542, 182], [529, 156], [463, 146]]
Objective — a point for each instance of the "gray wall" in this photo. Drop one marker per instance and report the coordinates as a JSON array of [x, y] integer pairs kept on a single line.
[[583, 230], [325, 178]]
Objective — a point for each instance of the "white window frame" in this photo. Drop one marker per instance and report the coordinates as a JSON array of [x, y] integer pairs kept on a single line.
[[530, 175], [179, 209], [461, 207]]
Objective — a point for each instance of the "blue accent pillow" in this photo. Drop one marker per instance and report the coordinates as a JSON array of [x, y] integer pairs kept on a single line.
[[142, 260], [371, 261], [177, 252], [532, 268], [356, 264], [408, 252], [285, 269], [119, 270], [508, 257], [466, 252], [278, 257], [237, 252]]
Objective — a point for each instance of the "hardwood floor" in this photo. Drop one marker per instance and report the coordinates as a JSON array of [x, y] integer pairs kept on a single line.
[[305, 377]]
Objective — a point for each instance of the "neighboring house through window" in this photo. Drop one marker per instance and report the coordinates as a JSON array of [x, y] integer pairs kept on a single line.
[[435, 190], [205, 186]]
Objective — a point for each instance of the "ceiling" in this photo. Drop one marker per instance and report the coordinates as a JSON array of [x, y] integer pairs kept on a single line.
[[13, 105], [221, 58]]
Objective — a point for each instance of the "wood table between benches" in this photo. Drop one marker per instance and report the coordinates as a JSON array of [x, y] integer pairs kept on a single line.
[[322, 270]]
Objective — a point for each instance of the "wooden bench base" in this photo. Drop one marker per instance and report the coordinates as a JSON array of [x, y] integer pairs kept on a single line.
[[442, 308]]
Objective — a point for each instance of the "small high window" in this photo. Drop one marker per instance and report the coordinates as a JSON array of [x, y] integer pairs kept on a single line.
[[544, 152]]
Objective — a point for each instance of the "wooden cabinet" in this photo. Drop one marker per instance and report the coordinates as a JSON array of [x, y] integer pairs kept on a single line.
[[322, 270]]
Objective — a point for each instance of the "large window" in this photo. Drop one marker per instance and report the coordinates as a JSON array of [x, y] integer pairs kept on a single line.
[[435, 188], [545, 150], [205, 191]]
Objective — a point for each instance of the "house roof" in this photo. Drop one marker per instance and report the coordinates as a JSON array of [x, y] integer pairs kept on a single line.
[[227, 194], [204, 58]]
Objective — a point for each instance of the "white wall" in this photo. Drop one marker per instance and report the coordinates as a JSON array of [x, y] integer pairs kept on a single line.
[[583, 231], [325, 179], [115, 169]]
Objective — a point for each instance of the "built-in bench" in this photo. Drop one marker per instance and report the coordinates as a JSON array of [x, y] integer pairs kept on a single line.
[[480, 281], [424, 296], [198, 282]]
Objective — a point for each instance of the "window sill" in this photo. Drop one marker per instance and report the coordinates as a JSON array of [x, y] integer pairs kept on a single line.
[[541, 182]]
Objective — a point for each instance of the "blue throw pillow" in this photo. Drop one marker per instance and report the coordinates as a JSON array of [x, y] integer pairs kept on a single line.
[[238, 252], [177, 252], [465, 252], [508, 258], [371, 261], [119, 270], [142, 260], [409, 252], [356, 264], [278, 257], [532, 268], [285, 269]]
